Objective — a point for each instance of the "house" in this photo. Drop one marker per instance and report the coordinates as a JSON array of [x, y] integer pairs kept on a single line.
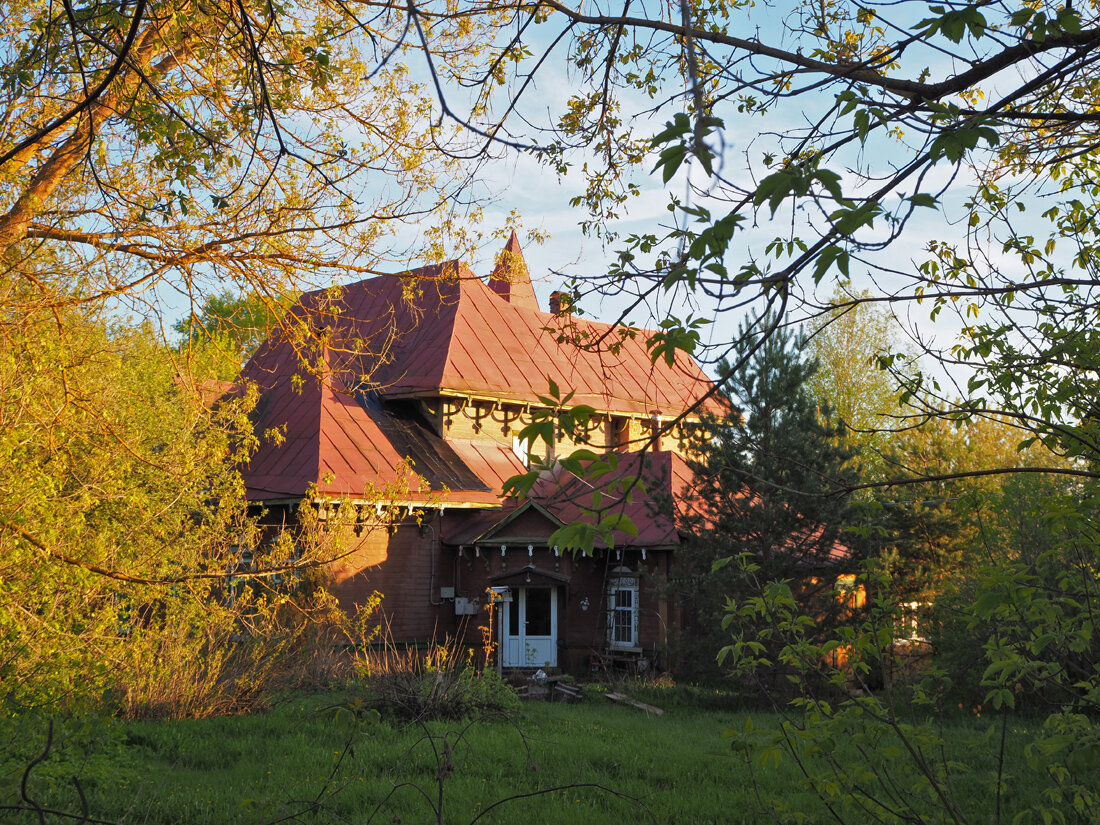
[[402, 408]]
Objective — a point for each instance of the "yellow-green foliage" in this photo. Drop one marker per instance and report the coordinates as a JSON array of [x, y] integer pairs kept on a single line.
[[121, 512]]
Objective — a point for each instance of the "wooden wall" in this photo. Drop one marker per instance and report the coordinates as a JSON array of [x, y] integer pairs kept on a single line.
[[497, 423]]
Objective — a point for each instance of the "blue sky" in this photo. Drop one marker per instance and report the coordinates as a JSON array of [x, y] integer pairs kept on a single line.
[[541, 198]]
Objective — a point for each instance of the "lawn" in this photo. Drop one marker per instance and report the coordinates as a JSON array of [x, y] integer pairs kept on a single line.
[[323, 758]]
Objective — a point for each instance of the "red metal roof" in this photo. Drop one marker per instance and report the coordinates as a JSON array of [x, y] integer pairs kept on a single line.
[[441, 329], [645, 488], [437, 330], [345, 444], [665, 479]]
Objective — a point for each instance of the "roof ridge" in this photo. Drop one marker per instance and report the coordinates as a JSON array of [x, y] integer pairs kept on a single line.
[[463, 271]]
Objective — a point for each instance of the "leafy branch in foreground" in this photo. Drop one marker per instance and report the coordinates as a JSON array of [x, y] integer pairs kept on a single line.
[[1009, 641], [886, 113]]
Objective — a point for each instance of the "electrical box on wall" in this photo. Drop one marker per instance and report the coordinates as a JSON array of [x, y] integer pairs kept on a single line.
[[446, 592], [465, 607]]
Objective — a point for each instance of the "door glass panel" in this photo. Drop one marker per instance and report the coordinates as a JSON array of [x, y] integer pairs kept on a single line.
[[513, 616], [538, 611]]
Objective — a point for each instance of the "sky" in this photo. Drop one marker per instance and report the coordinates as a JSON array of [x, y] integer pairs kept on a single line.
[[540, 197]]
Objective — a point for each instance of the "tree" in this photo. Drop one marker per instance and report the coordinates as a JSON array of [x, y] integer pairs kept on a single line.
[[232, 325], [122, 517], [153, 152], [1027, 530], [848, 345], [165, 146], [760, 508]]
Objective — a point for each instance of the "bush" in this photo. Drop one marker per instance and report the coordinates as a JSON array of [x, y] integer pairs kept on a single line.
[[210, 665], [441, 685]]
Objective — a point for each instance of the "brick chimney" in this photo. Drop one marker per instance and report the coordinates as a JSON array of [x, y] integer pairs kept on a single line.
[[561, 303], [511, 280]]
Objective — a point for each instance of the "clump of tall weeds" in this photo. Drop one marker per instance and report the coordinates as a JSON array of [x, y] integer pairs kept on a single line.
[[443, 682]]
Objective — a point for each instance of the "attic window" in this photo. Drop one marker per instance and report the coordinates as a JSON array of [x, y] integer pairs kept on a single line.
[[618, 436]]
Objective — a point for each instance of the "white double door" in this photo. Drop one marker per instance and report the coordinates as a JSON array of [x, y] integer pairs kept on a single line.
[[530, 628]]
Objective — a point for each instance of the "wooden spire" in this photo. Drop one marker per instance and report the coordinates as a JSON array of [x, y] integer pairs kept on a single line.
[[511, 279]]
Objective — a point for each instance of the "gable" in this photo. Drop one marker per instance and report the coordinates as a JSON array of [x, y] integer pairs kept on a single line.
[[515, 523], [529, 524]]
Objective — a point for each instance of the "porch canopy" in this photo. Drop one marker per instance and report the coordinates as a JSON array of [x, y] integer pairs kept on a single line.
[[530, 576]]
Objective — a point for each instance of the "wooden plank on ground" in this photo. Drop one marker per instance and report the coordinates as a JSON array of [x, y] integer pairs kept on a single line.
[[622, 697], [571, 693]]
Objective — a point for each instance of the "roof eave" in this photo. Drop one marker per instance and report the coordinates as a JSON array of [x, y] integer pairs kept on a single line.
[[450, 392]]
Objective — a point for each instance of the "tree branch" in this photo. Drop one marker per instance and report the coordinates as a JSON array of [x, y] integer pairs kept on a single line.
[[92, 97]]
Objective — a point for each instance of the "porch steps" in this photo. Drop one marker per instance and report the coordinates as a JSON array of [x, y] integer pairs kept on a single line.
[[552, 689]]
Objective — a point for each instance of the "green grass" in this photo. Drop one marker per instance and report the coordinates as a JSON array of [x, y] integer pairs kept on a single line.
[[326, 760]]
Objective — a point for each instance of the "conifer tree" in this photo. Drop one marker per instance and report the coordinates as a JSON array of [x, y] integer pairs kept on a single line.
[[769, 494]]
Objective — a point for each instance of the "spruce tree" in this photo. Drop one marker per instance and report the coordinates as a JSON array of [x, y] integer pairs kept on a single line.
[[769, 496]]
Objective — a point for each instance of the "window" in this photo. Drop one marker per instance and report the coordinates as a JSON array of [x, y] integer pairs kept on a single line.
[[622, 610], [912, 621], [538, 616], [851, 592], [522, 450], [618, 433]]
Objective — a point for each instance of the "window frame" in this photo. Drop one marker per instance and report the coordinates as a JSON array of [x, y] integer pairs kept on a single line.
[[624, 580]]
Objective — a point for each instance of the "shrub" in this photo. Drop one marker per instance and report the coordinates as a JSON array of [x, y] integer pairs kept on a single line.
[[214, 664], [444, 684]]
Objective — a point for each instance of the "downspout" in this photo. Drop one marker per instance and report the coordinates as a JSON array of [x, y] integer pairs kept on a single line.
[[434, 550]]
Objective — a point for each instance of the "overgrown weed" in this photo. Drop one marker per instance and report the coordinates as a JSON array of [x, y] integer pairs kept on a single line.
[[447, 681]]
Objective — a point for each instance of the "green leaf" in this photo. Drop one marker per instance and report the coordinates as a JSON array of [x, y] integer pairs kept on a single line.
[[671, 159], [584, 454], [848, 221], [1069, 20], [831, 181], [774, 188], [923, 199], [1084, 759], [1021, 16], [619, 522], [826, 258], [675, 129], [770, 758], [862, 123], [576, 537], [520, 485], [538, 431]]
